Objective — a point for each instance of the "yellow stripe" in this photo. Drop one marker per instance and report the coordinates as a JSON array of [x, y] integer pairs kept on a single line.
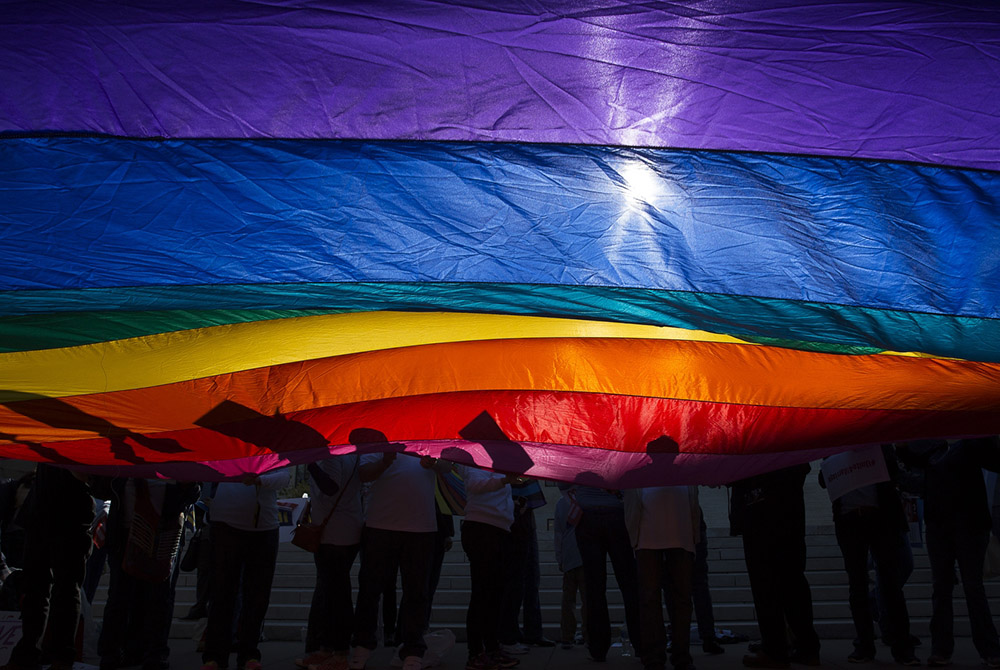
[[165, 358]]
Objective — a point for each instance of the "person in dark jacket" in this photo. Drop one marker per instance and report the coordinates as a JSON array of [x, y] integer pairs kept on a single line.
[[769, 510], [56, 548], [139, 609], [871, 519], [958, 523]]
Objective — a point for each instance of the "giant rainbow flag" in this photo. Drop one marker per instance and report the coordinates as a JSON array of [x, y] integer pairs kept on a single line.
[[600, 241]]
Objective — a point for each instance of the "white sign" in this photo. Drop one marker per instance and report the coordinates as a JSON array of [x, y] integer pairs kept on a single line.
[[289, 511], [851, 470], [10, 633]]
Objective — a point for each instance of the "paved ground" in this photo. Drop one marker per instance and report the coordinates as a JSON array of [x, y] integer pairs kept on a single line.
[[281, 655]]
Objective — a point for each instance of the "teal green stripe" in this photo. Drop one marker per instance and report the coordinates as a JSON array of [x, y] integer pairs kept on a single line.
[[742, 316], [70, 329]]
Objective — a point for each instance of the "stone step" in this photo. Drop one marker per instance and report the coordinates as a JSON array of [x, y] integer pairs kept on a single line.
[[733, 602]]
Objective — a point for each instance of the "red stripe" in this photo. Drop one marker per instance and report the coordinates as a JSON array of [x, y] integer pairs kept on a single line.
[[607, 422]]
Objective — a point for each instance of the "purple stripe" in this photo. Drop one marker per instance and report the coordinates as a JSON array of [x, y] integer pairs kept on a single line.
[[885, 80]]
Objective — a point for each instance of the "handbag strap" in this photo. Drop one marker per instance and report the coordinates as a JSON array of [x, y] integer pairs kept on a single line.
[[343, 490]]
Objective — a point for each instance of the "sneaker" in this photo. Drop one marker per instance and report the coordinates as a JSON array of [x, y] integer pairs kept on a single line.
[[480, 661], [907, 659], [502, 660], [313, 659], [252, 664], [540, 642], [936, 661], [860, 656], [413, 663], [516, 648], [992, 662], [359, 658]]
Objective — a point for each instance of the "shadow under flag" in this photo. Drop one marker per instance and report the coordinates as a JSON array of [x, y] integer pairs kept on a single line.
[[506, 455]]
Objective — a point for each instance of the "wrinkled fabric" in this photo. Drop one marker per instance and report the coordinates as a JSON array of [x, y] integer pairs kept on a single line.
[[94, 213], [209, 210], [887, 80]]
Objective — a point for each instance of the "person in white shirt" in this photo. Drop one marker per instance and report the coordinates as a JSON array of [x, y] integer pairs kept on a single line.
[[335, 497], [489, 513], [244, 527], [399, 534], [663, 525]]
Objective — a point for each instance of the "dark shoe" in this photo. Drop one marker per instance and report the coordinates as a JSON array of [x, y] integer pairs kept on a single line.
[[802, 658], [502, 660], [566, 644], [597, 658], [861, 656], [937, 661], [762, 660], [712, 647], [907, 659], [540, 642], [992, 662]]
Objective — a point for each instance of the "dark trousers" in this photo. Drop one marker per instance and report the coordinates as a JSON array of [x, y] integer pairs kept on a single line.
[[774, 546], [669, 571], [946, 544], [203, 583], [599, 535], [487, 547], [331, 615], [515, 573], [243, 563], [699, 589], [572, 581], [55, 560], [858, 533], [385, 551], [137, 618], [904, 564], [531, 605]]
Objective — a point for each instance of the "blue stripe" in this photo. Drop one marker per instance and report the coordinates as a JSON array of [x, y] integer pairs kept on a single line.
[[98, 212], [751, 318]]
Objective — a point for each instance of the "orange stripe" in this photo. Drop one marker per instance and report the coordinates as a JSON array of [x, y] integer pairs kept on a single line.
[[704, 371]]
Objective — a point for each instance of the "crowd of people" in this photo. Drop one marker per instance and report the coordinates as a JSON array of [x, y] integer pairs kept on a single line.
[[387, 511]]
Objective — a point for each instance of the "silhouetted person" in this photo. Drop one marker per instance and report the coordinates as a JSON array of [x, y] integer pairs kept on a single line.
[[870, 519], [662, 522], [958, 525], [335, 486], [57, 544], [601, 534], [769, 509], [244, 555]]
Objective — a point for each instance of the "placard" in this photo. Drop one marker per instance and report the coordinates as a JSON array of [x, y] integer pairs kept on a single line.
[[851, 470]]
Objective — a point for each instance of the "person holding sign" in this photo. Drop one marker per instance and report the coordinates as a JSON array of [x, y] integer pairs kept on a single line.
[[868, 517]]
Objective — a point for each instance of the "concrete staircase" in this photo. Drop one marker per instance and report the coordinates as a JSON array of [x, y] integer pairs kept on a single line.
[[733, 604]]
